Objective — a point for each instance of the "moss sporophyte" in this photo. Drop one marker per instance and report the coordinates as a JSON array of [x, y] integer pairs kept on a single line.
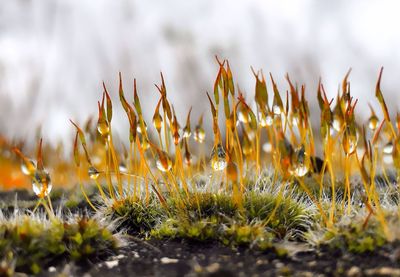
[[263, 173]]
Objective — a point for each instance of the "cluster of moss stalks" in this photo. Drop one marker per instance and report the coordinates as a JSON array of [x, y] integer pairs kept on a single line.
[[149, 189], [31, 243]]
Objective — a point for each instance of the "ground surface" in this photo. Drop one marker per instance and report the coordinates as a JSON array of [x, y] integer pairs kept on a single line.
[[180, 258], [188, 258]]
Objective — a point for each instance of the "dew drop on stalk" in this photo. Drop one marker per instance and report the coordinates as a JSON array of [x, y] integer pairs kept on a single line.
[[93, 173], [199, 134], [278, 120], [349, 143], [122, 167], [388, 148], [300, 164], [269, 120], [139, 128], [295, 119], [251, 134], [337, 123], [277, 110], [163, 162], [267, 147], [41, 183], [247, 147], [157, 122], [243, 116], [103, 128], [262, 119], [28, 167], [300, 170], [387, 159], [186, 132], [144, 143], [218, 158], [373, 122]]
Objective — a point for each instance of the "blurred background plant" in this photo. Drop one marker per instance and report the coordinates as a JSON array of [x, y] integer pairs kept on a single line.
[[54, 52]]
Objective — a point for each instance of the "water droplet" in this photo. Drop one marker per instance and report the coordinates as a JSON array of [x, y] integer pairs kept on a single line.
[[122, 168], [93, 173], [387, 159], [388, 148], [301, 163], [269, 120], [218, 157], [199, 134], [349, 143], [186, 132], [163, 162], [144, 143], [157, 122], [103, 128], [337, 123], [139, 129], [295, 119], [267, 147], [28, 167], [243, 116], [262, 119], [373, 122], [350, 139], [300, 171], [41, 183], [277, 110], [247, 147]]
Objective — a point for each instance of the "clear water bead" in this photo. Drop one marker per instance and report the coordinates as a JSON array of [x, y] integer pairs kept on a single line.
[[41, 183], [218, 158], [163, 162], [93, 173], [28, 167], [199, 134]]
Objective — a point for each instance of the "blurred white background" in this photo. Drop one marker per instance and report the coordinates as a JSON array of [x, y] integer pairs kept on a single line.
[[54, 54]]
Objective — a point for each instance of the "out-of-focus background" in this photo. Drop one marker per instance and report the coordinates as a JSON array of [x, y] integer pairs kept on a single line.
[[54, 54]]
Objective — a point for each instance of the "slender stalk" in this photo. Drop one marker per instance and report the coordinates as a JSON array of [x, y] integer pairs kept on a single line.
[[166, 133], [258, 137], [84, 192], [347, 182], [115, 162]]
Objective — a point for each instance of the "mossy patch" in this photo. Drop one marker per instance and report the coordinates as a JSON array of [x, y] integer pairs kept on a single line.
[[30, 242], [262, 219]]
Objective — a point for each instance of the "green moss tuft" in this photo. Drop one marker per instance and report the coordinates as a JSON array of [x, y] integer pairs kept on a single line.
[[352, 237], [36, 241], [135, 217]]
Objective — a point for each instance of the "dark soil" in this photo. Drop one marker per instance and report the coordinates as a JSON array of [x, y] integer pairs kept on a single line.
[[183, 258]]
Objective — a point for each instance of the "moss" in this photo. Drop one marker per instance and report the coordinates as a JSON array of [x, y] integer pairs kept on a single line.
[[203, 205], [214, 216], [290, 215], [200, 230], [248, 234], [36, 242], [135, 217], [354, 238]]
